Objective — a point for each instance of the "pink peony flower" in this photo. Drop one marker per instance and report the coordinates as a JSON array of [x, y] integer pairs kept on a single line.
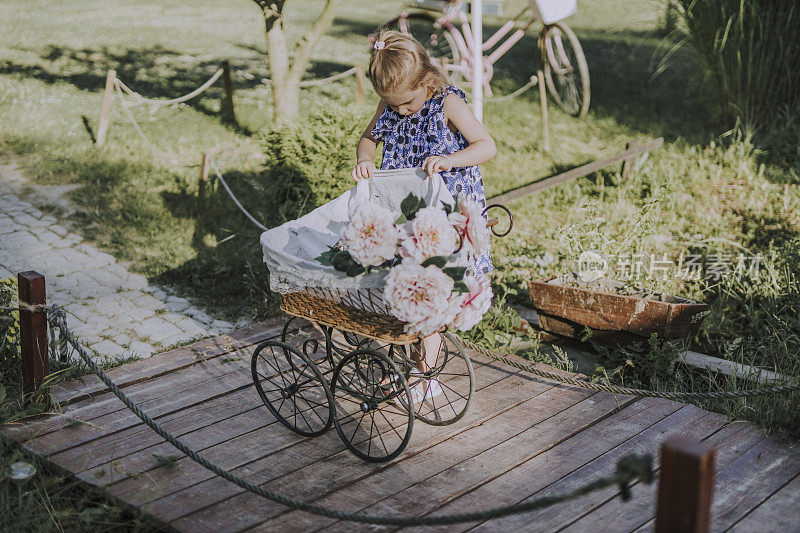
[[471, 224], [475, 304], [430, 234], [371, 236], [419, 296]]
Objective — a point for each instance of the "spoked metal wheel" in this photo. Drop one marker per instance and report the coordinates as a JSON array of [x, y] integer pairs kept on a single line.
[[436, 39], [366, 387], [444, 393], [293, 388], [566, 73]]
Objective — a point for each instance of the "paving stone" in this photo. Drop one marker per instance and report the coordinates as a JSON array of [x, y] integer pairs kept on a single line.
[[24, 219], [47, 236], [61, 231], [32, 211], [105, 259], [198, 315], [106, 278], [137, 314], [176, 304], [222, 325], [192, 326], [156, 329], [157, 293], [122, 339], [49, 220], [107, 348], [146, 301], [135, 282], [180, 338], [141, 349]]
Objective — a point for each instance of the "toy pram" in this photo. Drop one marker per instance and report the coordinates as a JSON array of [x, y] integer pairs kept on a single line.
[[355, 370]]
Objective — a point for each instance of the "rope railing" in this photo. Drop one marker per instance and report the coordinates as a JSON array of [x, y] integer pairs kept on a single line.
[[630, 469], [158, 101]]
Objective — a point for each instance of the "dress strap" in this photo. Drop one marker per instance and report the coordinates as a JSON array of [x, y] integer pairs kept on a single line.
[[437, 104]]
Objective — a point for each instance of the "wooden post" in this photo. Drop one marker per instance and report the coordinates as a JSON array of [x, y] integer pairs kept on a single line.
[[105, 112], [627, 164], [543, 102], [203, 175], [361, 79], [33, 332], [227, 106], [685, 486]]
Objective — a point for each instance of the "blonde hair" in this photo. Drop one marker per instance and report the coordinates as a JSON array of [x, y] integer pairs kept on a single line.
[[402, 63]]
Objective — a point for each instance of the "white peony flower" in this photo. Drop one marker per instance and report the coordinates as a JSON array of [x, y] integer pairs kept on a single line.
[[371, 236], [475, 304], [471, 224], [419, 296], [430, 234]]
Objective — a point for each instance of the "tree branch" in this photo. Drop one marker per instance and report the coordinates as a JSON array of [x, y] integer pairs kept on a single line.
[[305, 46]]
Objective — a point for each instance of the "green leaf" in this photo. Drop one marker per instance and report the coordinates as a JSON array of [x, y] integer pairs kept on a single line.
[[341, 260], [354, 270], [447, 208], [460, 286], [439, 261], [411, 204], [401, 220], [457, 273], [326, 258], [2, 392]]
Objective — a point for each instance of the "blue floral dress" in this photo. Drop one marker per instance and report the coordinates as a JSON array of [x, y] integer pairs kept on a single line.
[[408, 140]]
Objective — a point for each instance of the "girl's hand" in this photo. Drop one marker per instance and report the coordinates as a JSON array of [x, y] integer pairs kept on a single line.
[[436, 163], [363, 170]]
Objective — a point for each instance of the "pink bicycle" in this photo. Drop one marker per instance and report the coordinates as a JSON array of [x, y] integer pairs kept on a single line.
[[566, 73]]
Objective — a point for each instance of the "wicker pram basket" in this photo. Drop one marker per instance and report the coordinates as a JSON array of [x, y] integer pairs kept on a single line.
[[365, 315]]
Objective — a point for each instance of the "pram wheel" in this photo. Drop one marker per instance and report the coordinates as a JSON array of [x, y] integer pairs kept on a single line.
[[293, 388], [446, 389], [366, 388]]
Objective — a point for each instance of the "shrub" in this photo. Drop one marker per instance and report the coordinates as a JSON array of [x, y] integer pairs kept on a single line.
[[751, 54], [9, 330], [308, 164]]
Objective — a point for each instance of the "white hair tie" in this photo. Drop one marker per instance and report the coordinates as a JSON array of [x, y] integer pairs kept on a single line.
[[379, 45]]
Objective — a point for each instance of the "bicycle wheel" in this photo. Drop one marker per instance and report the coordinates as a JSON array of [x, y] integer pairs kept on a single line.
[[566, 73], [293, 388], [446, 389], [437, 40], [366, 386]]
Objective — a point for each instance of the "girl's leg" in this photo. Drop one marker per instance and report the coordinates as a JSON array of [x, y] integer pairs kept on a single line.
[[431, 346]]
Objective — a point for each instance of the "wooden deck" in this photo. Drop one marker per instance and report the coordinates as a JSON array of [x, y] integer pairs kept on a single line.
[[522, 439]]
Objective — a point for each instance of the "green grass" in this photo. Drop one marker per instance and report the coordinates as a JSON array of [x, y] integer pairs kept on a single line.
[[706, 191]]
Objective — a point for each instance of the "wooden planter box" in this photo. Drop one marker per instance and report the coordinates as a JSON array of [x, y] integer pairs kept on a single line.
[[565, 306]]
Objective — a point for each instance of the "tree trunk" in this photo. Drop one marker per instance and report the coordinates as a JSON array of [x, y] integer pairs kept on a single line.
[[285, 77]]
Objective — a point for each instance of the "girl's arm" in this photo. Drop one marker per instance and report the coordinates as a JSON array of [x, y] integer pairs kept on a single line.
[[481, 145], [365, 150]]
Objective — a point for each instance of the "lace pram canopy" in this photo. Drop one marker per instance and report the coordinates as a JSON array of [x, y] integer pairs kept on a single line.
[[291, 250]]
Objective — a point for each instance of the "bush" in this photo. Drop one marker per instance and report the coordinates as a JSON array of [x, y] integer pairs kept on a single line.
[[308, 164], [751, 55], [9, 330]]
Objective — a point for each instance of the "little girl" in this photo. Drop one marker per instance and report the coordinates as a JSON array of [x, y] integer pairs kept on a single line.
[[423, 122]]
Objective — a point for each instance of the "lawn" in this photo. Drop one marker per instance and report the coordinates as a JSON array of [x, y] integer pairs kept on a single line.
[[706, 191]]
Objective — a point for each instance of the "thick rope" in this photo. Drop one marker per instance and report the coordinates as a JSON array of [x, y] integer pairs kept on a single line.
[[533, 82], [310, 83], [157, 101], [630, 469], [230, 193], [164, 155], [746, 393]]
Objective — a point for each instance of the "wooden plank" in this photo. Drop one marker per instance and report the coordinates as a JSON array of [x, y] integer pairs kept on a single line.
[[574, 173], [106, 413], [330, 472], [105, 110], [167, 362], [627, 516], [685, 485], [777, 513], [542, 420], [541, 470], [559, 462], [687, 420], [117, 445], [292, 459]]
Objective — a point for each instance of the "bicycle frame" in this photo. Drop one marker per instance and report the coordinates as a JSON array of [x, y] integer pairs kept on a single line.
[[464, 41]]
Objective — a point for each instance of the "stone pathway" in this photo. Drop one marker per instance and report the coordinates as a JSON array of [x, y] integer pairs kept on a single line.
[[113, 312]]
